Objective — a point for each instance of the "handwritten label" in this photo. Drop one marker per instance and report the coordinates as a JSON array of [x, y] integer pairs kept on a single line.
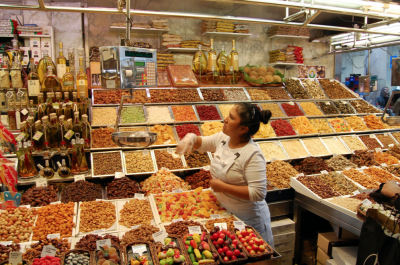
[[103, 242], [300, 175], [79, 177], [324, 172], [177, 220], [207, 168], [48, 250], [41, 182], [119, 175], [57, 202], [52, 236], [367, 202], [99, 232], [177, 191], [135, 226], [378, 150], [221, 225], [15, 258], [356, 192], [391, 145], [139, 249], [145, 152], [160, 236], [139, 196], [239, 225], [194, 230], [215, 216]]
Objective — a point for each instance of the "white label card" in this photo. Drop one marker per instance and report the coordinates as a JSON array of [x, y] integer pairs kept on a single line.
[[79, 177], [33, 88], [48, 250], [160, 236], [371, 136], [348, 168], [57, 202], [207, 168], [52, 236], [178, 191], [119, 175], [41, 182], [367, 202], [391, 145], [145, 152], [194, 230], [110, 83], [26, 206], [328, 103], [15, 258], [103, 242], [385, 134], [291, 103], [215, 216], [324, 172], [177, 220], [99, 232], [135, 226], [356, 192], [384, 164], [378, 150], [300, 175], [139, 249], [6, 243], [221, 225], [239, 225], [139, 196]]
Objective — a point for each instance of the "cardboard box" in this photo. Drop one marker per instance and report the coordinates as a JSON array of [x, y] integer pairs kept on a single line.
[[322, 257], [326, 241], [309, 244], [46, 45], [34, 42], [308, 257], [331, 262], [345, 255], [283, 238], [284, 247], [287, 254], [25, 59], [342, 233], [287, 261], [282, 225], [36, 55]]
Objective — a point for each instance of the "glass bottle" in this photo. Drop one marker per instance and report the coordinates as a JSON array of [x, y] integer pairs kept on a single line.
[[48, 141], [61, 64], [15, 54], [61, 132], [213, 76], [49, 104], [68, 81], [79, 163], [33, 82], [12, 121], [83, 105], [199, 63], [41, 110], [67, 109], [232, 76], [66, 96], [69, 133], [30, 128], [26, 164], [63, 171], [18, 116], [212, 58], [51, 82], [3, 99], [81, 79], [71, 59], [46, 171], [75, 104], [234, 58], [24, 112], [223, 64], [86, 131], [16, 75], [65, 156], [23, 135], [38, 139], [42, 68], [54, 128], [77, 125], [4, 72]]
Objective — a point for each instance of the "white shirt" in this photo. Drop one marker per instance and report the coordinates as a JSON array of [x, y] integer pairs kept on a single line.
[[248, 170]]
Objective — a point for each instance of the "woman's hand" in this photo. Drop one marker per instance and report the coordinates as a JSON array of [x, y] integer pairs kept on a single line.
[[186, 144], [217, 185]]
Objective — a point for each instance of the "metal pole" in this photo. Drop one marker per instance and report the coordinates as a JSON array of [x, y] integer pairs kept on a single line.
[[128, 22]]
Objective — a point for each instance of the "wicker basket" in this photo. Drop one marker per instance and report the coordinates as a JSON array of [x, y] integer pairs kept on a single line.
[[187, 257], [92, 255], [264, 85], [119, 251], [262, 256], [236, 261], [150, 246], [177, 240]]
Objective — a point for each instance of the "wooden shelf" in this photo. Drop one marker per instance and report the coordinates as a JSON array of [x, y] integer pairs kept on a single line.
[[181, 50], [34, 35], [138, 30], [285, 64], [4, 35]]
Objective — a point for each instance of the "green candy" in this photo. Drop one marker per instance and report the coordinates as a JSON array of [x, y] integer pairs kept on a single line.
[[132, 115]]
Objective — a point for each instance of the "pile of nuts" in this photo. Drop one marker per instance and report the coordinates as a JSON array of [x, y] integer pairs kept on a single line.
[[122, 188], [35, 249], [133, 114], [162, 95], [199, 179], [396, 135], [142, 233], [313, 89], [328, 108], [362, 106], [208, 112], [39, 196], [334, 145], [109, 96], [181, 228], [354, 143], [5, 251], [296, 89], [311, 166], [136, 212], [370, 142], [187, 95], [140, 96], [106, 163], [339, 183], [318, 187], [385, 140], [277, 94], [334, 89], [272, 150], [164, 159], [394, 169], [362, 179], [89, 241], [339, 163], [102, 138], [80, 258], [213, 94], [364, 158], [258, 93], [235, 95], [229, 222], [279, 174], [344, 107], [136, 162], [81, 191], [16, 224], [273, 107], [96, 215], [48, 221], [379, 174], [196, 159], [357, 123], [104, 116]]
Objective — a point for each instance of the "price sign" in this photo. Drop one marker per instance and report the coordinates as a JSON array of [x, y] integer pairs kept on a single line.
[[99, 200], [160, 236], [324, 172], [239, 225], [177, 220], [37, 136], [300, 175], [52, 236], [291, 103], [139, 249], [356, 192], [135, 226], [41, 182], [20, 92], [169, 150], [367, 202], [139, 196], [48, 250], [79, 177], [194, 230], [215, 216], [99, 232], [207, 168], [378, 150], [15, 258], [119, 175], [221, 225], [145, 152], [384, 164], [20, 137], [177, 191], [103, 242], [58, 202]]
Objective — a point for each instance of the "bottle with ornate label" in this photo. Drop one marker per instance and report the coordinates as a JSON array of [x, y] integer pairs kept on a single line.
[[71, 59], [57, 106], [68, 82], [38, 139], [81, 79], [33, 82], [46, 171], [61, 64], [234, 58], [42, 68], [67, 110], [63, 171], [4, 72], [86, 131], [54, 128], [51, 82], [23, 135], [12, 119], [199, 63], [212, 58]]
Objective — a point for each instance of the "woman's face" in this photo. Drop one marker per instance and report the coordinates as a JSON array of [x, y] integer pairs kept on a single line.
[[232, 125]]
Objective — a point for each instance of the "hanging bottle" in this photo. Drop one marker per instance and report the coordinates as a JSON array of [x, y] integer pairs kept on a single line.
[[30, 128], [63, 171], [86, 131], [42, 68], [46, 133], [23, 135], [75, 104], [68, 82], [12, 122], [83, 105], [24, 112], [38, 139], [16, 66], [77, 125], [199, 63], [17, 116], [41, 110], [26, 164], [69, 133], [58, 105], [49, 103], [61, 132], [79, 162], [54, 128]]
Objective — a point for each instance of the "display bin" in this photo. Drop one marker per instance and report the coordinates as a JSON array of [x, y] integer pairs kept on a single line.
[[153, 159], [180, 246], [355, 136], [311, 116], [188, 121], [77, 238], [304, 142], [288, 96], [374, 137], [119, 251], [215, 105], [124, 92], [111, 110], [165, 145], [290, 103], [300, 157], [187, 257], [209, 156], [158, 122], [388, 135], [301, 84], [127, 251], [264, 107], [346, 101], [173, 150], [133, 124], [101, 148], [177, 127], [348, 151], [236, 88], [340, 208], [328, 102], [340, 133], [92, 255], [106, 175], [152, 90], [332, 131], [279, 145], [221, 260], [299, 187], [202, 89], [316, 81]]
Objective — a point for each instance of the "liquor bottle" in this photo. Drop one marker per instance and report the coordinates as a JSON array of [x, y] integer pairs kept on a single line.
[[61, 132], [67, 110], [33, 82], [86, 131], [71, 59], [199, 63], [46, 171], [83, 105], [223, 63], [17, 115], [212, 58], [26, 164], [38, 139], [23, 135], [65, 156], [54, 128], [81, 79], [15, 73], [61, 64], [12, 121], [46, 133], [213, 76], [69, 133], [42, 68], [41, 110], [79, 163], [30, 128], [24, 112], [49, 103], [68, 82], [63, 171], [51, 82], [77, 125], [58, 105], [234, 58], [4, 72], [232, 76], [75, 104]]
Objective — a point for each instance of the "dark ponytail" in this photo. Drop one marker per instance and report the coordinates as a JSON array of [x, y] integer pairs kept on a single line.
[[251, 116]]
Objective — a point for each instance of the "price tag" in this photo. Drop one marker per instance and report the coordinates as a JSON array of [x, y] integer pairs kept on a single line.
[[384, 164], [103, 242], [169, 150], [273, 159], [6, 243], [9, 94], [48, 250], [145, 152], [178, 191], [334, 138], [119, 175], [15, 258], [79, 177], [20, 93], [391, 145], [139, 196], [160, 236], [110, 83], [300, 175], [26, 206], [100, 231], [348, 168], [41, 182], [334, 154], [221, 225], [291, 103], [215, 216], [367, 202], [328, 103], [344, 102], [378, 150], [194, 229], [69, 134], [24, 111], [356, 192], [177, 220], [135, 226], [207, 168], [324, 172], [20, 137], [58, 202], [139, 249], [371, 136], [37, 136], [385, 134], [239, 225], [52, 236]]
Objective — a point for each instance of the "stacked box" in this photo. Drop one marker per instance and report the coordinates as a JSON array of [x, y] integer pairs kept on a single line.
[[288, 30], [283, 230]]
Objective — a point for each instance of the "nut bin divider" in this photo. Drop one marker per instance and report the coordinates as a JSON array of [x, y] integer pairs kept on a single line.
[[140, 173]]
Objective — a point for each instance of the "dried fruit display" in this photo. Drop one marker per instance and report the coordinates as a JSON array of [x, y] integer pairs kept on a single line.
[[282, 128], [361, 106], [361, 178], [122, 188], [279, 174], [319, 187], [181, 228], [163, 181], [40, 196], [89, 241], [96, 215], [136, 212], [379, 174], [108, 255], [165, 134], [385, 158], [335, 90], [296, 89], [311, 166], [81, 191], [339, 163], [12, 228], [339, 183], [364, 158], [199, 179]]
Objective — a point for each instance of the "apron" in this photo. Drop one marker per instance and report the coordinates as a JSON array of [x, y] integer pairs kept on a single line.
[[255, 214]]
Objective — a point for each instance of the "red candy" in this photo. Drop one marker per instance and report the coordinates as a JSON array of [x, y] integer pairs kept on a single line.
[[292, 110], [282, 128], [182, 130], [48, 260], [208, 113]]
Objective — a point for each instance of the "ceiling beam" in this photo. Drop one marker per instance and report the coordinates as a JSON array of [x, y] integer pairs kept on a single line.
[[312, 17]]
